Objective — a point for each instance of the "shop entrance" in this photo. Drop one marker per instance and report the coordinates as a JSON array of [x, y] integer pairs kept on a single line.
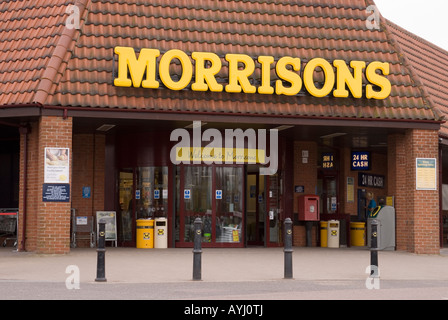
[[256, 209], [263, 211], [214, 194], [143, 194], [236, 209]]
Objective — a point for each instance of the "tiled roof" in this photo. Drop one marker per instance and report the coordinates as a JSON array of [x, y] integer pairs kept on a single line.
[[430, 64], [44, 62]]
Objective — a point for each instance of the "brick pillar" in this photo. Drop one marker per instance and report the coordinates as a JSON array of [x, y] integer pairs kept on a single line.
[[47, 223], [417, 211], [305, 174]]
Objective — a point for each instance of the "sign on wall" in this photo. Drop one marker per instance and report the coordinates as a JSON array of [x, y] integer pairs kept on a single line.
[[327, 161], [57, 165], [370, 180], [56, 192], [360, 160], [426, 174]]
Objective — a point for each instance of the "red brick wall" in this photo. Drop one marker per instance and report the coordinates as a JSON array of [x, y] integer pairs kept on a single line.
[[305, 174], [417, 211], [47, 223], [88, 171]]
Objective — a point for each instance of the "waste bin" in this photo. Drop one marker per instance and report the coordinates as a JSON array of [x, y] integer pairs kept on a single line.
[[160, 233], [333, 234], [357, 234], [323, 233], [145, 233]]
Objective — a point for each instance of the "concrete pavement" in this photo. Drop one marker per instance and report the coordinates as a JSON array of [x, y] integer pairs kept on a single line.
[[131, 265]]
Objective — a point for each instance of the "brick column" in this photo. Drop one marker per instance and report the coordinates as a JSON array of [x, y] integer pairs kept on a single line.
[[47, 223], [417, 211], [305, 174]]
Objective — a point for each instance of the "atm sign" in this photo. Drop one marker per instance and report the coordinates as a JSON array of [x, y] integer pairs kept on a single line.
[[360, 160]]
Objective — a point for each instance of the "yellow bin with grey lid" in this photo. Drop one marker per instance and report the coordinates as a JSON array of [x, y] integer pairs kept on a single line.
[[357, 234], [145, 233]]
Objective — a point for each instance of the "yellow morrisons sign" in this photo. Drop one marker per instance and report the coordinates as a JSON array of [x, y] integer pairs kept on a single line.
[[340, 79]]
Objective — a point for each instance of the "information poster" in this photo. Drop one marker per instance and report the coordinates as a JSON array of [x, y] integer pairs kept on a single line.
[[57, 165], [350, 189], [56, 192], [110, 219], [426, 174]]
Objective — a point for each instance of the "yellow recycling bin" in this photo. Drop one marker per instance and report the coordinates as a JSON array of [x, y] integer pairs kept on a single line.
[[145, 233], [357, 234], [323, 234]]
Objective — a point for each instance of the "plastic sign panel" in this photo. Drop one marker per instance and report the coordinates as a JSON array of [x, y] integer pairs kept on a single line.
[[426, 174], [360, 160], [151, 68], [57, 165]]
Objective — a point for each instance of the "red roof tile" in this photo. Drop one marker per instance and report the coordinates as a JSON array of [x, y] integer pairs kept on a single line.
[[430, 65], [44, 62]]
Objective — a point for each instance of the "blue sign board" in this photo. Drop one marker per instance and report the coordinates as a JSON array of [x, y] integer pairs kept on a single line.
[[360, 160], [86, 192], [52, 192]]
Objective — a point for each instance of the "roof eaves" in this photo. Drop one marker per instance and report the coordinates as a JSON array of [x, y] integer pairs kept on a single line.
[[438, 115]]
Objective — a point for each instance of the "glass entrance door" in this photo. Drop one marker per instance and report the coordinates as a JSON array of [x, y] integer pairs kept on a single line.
[[229, 207], [143, 194], [214, 194], [274, 218], [255, 212], [196, 202]]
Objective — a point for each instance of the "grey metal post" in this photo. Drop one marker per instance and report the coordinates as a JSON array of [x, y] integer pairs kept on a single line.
[[288, 248], [101, 253], [197, 250], [374, 247]]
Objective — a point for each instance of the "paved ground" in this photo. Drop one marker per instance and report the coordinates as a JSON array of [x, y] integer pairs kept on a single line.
[[227, 274]]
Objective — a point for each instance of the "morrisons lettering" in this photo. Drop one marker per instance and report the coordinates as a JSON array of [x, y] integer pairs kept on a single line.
[[202, 67]]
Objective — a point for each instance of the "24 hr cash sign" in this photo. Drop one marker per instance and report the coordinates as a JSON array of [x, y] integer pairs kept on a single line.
[[338, 76]]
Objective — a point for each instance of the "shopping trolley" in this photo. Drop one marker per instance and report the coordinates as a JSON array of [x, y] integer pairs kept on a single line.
[[8, 225]]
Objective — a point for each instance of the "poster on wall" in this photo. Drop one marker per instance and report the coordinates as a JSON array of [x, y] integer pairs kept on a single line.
[[57, 165], [426, 174]]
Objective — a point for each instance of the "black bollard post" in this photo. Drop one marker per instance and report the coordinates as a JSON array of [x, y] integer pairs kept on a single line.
[[197, 250], [374, 248], [101, 252], [288, 248]]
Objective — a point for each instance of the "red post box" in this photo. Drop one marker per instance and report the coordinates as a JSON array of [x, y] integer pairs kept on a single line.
[[309, 208]]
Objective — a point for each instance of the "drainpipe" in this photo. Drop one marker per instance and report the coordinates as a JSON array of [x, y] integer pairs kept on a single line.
[[24, 130]]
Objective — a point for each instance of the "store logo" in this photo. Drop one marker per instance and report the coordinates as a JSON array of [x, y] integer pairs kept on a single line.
[[236, 147], [200, 71]]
